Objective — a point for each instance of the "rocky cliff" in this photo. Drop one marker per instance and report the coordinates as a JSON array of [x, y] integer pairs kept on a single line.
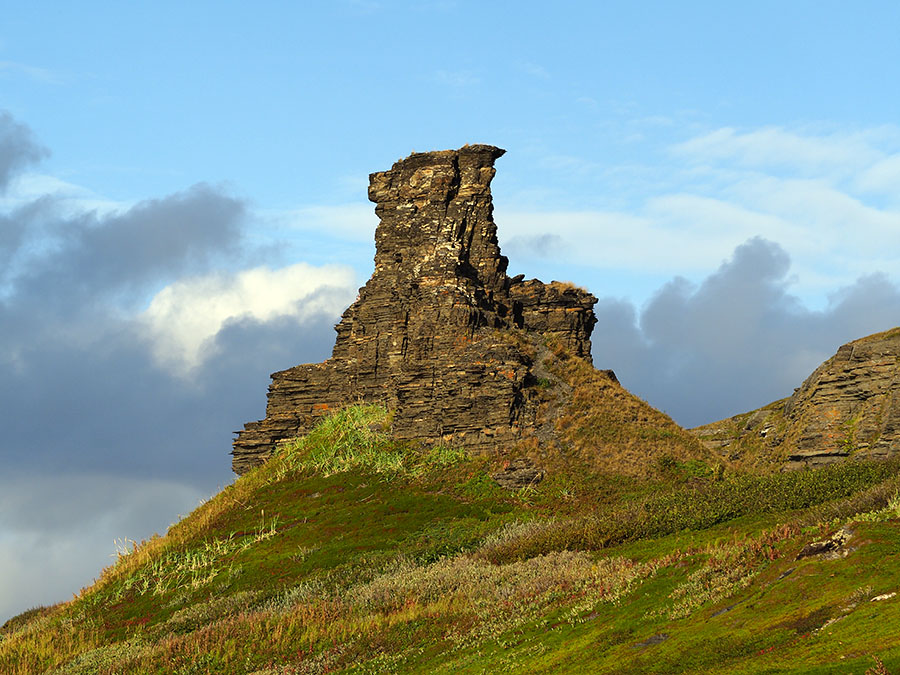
[[461, 353], [430, 334], [848, 407]]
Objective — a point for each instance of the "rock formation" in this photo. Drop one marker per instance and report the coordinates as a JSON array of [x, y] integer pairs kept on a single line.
[[439, 334], [830, 549], [848, 407], [519, 473]]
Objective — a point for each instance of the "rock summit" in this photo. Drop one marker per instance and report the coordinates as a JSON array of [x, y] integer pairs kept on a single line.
[[440, 334]]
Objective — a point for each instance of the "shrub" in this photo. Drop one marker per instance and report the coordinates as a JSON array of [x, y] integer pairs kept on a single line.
[[835, 491]]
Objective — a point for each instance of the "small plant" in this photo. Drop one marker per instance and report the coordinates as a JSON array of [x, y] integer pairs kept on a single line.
[[878, 668], [666, 463], [443, 456], [124, 548], [848, 436], [567, 492], [303, 552]]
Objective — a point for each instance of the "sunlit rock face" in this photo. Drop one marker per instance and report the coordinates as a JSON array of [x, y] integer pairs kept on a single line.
[[849, 407], [439, 334]]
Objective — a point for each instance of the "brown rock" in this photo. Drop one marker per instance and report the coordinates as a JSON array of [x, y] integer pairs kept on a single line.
[[518, 474], [832, 548], [439, 334], [848, 407]]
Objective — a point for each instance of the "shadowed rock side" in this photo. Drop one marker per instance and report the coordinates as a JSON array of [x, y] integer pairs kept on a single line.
[[848, 407], [440, 334]]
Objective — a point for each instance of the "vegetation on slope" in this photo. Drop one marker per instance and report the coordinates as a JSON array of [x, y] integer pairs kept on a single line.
[[603, 427], [349, 552]]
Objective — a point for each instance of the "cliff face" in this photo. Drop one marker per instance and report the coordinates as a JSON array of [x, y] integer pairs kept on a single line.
[[848, 407], [439, 334]]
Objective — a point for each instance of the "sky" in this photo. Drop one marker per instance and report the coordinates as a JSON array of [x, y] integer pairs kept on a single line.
[[183, 211]]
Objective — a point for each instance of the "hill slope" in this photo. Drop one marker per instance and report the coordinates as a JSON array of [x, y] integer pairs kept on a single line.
[[847, 407], [352, 552]]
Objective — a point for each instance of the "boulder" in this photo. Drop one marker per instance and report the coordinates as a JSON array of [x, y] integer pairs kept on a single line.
[[518, 474]]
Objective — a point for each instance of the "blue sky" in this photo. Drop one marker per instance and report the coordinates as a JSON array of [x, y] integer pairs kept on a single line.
[[183, 206], [291, 106]]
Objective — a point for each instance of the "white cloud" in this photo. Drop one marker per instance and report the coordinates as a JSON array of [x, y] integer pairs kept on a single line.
[[534, 69], [70, 199], [882, 177], [778, 147], [672, 234], [570, 164], [699, 218], [824, 212], [458, 79], [352, 222], [184, 317], [32, 72]]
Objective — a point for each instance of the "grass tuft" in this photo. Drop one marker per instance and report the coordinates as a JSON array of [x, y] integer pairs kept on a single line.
[[357, 437], [353, 437]]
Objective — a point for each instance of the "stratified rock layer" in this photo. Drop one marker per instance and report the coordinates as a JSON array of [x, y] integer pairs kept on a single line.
[[439, 334], [849, 406]]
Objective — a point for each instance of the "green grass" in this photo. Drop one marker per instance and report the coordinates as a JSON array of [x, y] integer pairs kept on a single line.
[[350, 552]]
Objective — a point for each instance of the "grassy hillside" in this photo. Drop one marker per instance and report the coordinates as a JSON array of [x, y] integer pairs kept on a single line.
[[351, 553], [587, 421]]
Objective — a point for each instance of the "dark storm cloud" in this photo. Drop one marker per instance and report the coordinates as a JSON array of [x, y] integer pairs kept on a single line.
[[35, 505], [57, 532], [18, 148], [737, 341], [106, 407], [11, 234], [91, 257], [99, 441]]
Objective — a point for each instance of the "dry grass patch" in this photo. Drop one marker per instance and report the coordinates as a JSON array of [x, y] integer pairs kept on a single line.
[[613, 430]]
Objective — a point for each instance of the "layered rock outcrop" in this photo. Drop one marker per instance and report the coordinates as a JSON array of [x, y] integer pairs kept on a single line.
[[848, 407], [440, 333]]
